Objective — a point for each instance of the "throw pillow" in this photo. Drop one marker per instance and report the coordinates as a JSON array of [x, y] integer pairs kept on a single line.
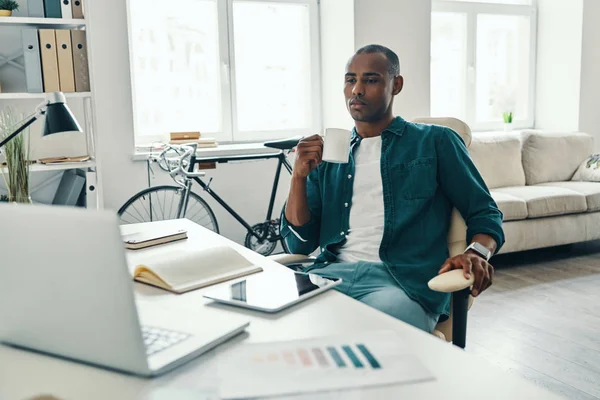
[[589, 170]]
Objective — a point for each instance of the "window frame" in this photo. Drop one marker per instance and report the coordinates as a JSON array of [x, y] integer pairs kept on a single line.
[[472, 10], [230, 133]]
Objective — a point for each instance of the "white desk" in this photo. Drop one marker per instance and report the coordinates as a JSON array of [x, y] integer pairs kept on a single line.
[[458, 375]]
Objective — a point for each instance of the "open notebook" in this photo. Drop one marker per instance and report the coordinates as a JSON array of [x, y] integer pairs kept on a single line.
[[182, 271]]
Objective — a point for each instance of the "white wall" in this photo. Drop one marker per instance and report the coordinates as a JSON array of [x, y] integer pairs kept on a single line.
[[589, 113], [337, 46], [245, 187], [558, 64], [405, 27]]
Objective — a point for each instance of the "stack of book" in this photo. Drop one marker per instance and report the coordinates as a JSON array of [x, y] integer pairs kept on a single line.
[[192, 137]]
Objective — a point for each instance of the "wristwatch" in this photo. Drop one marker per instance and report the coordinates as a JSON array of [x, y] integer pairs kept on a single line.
[[481, 250]]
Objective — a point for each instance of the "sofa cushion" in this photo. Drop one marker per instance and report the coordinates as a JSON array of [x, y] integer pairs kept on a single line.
[[546, 201], [553, 157], [498, 159], [591, 191], [512, 207]]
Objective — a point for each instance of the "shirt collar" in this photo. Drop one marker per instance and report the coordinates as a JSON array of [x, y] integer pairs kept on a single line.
[[396, 127]]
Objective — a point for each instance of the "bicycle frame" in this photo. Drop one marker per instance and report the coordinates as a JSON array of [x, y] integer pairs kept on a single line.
[[282, 161]]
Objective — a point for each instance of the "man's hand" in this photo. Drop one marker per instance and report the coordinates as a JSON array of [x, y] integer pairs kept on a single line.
[[471, 263], [308, 156]]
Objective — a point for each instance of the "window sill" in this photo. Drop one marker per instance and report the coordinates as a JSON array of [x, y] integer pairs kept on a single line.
[[223, 150]]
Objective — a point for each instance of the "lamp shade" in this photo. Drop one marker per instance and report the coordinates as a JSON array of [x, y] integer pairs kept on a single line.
[[59, 117]]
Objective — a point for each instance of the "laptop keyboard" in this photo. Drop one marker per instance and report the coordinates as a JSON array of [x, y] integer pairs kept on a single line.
[[157, 339]]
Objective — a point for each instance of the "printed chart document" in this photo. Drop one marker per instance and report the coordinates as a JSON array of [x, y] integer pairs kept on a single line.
[[322, 364]]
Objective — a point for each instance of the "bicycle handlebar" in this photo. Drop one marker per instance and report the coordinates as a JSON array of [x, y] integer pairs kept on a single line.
[[176, 165]]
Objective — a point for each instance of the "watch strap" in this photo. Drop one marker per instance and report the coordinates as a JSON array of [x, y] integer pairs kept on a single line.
[[480, 249]]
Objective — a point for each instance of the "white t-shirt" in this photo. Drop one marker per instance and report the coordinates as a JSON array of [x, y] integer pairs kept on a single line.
[[366, 212]]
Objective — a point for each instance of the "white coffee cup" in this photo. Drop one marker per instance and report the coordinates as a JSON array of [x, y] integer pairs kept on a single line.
[[336, 145]]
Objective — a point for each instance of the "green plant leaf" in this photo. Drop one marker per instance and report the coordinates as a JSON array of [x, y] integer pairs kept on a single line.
[[9, 5]]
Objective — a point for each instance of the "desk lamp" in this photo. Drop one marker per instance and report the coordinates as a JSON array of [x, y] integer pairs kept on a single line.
[[58, 117]]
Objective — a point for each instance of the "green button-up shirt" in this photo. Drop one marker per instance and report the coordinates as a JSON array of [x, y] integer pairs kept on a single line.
[[425, 172]]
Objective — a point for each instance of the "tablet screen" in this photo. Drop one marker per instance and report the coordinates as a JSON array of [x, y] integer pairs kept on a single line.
[[270, 291]]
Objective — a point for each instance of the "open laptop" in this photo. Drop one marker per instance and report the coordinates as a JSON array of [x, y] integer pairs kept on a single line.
[[65, 290]]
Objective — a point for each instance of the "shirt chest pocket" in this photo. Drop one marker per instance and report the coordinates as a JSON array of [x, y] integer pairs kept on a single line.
[[416, 179]]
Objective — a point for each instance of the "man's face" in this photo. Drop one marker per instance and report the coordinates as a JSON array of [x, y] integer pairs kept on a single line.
[[369, 88]]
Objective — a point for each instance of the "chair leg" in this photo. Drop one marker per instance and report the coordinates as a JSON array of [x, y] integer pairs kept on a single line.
[[460, 307]]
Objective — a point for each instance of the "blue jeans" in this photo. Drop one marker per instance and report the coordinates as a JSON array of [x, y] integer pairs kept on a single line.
[[372, 284]]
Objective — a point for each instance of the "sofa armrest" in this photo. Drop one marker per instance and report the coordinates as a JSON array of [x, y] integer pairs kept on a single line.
[[451, 281]]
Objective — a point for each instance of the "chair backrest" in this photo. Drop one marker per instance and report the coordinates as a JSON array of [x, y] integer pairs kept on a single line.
[[457, 241], [457, 234]]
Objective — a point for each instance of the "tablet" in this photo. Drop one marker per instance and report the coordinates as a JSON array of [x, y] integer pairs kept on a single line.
[[272, 292]]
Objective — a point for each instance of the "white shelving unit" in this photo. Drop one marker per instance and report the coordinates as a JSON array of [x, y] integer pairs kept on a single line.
[[56, 167], [41, 96], [93, 192], [42, 22]]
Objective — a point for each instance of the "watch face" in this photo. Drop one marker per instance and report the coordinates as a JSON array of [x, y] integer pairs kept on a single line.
[[481, 249]]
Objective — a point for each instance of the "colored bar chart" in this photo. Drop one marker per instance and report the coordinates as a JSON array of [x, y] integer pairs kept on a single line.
[[321, 364], [343, 356]]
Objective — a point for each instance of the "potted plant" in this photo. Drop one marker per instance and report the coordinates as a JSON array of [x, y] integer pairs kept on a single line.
[[16, 153], [508, 119], [7, 7]]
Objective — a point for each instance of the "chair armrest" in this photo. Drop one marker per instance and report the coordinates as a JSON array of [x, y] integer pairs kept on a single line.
[[455, 282], [289, 259], [451, 281]]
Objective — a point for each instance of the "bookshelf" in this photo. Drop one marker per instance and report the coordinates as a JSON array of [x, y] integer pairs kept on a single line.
[[14, 93], [41, 96], [56, 167], [49, 23]]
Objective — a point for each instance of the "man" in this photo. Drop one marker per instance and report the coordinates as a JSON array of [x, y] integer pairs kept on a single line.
[[381, 220]]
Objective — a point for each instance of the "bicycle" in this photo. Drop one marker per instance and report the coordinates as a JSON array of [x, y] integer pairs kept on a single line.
[[155, 203]]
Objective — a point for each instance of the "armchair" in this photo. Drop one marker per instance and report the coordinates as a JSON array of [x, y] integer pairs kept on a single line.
[[454, 328]]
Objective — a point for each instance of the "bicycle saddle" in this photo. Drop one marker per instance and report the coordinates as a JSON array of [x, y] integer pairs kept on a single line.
[[284, 144]]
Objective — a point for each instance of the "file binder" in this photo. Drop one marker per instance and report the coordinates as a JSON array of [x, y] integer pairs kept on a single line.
[[32, 60], [65, 60], [80, 61], [49, 60], [52, 8], [77, 9], [66, 9], [35, 9], [69, 189]]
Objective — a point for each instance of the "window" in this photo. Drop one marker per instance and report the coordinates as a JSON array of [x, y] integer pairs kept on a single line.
[[483, 61], [235, 70]]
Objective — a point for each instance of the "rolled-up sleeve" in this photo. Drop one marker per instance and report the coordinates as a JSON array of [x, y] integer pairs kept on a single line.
[[466, 189], [305, 239]]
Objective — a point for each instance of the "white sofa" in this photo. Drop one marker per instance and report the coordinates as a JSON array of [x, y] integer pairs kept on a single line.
[[529, 174]]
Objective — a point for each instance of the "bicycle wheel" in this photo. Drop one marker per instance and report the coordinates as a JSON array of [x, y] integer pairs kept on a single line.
[[160, 203]]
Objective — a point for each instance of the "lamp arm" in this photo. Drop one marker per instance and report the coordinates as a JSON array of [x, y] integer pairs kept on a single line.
[[33, 117], [15, 133]]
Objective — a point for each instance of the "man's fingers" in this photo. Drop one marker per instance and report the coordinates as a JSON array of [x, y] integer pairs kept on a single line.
[[490, 276], [311, 156], [479, 271], [467, 267], [307, 148], [313, 159], [311, 139], [447, 266]]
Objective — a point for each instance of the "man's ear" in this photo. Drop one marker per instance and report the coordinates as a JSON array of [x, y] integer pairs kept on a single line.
[[398, 84]]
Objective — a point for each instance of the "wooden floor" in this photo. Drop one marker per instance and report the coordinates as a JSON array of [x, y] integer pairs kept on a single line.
[[541, 318]]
